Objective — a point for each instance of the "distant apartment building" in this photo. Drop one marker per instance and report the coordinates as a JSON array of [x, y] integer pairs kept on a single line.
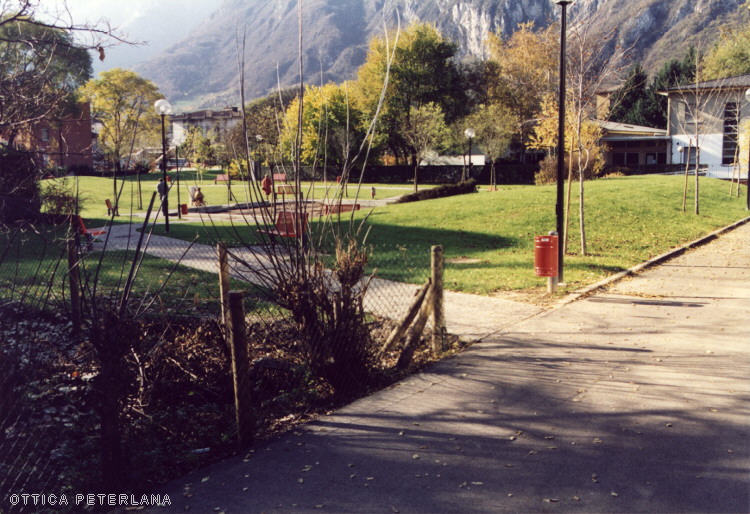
[[215, 124], [61, 142]]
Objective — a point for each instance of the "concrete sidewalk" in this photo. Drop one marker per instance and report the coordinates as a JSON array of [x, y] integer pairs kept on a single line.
[[635, 399]]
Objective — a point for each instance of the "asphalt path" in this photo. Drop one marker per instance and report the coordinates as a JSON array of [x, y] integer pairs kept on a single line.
[[633, 399]]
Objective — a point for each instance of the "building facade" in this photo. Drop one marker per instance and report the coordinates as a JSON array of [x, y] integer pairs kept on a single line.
[[633, 145], [214, 124], [64, 142], [705, 124]]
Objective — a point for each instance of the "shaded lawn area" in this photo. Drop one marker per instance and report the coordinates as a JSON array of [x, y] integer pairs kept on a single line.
[[34, 269], [488, 237]]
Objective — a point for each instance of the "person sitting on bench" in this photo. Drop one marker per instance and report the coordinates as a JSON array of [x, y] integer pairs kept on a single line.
[[198, 198]]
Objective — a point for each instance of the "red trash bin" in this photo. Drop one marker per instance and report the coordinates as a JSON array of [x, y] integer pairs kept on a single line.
[[545, 256], [183, 208]]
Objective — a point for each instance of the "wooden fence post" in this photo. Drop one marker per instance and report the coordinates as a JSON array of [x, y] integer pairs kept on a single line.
[[221, 249], [75, 284], [439, 340], [240, 366], [415, 334]]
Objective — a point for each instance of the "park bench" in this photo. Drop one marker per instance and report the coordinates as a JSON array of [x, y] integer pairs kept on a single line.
[[221, 178], [89, 235], [110, 208], [283, 190], [288, 224], [336, 208]]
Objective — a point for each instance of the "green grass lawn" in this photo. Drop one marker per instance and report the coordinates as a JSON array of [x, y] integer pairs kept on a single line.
[[94, 190], [33, 269], [489, 236]]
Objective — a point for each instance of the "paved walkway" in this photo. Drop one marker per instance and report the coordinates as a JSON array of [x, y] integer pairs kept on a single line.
[[475, 316], [635, 399]]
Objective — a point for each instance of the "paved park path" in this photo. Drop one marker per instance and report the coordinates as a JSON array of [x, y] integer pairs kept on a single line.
[[634, 399], [476, 316]]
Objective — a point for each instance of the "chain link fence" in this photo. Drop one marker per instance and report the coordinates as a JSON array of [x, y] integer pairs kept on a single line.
[[116, 363]]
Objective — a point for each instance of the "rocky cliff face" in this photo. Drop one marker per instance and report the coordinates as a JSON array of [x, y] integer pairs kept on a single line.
[[202, 70]]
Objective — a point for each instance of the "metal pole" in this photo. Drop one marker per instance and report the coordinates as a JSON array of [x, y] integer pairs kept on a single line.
[[559, 207], [177, 163], [468, 177], [165, 200]]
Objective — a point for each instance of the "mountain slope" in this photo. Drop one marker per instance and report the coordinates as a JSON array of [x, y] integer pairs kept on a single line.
[[202, 70]]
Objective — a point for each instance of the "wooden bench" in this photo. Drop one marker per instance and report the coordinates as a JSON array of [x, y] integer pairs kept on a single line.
[[288, 224], [110, 208], [221, 178], [80, 226], [336, 208]]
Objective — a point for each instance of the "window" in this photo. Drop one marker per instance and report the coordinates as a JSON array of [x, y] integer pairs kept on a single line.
[[632, 159], [618, 158], [650, 158], [689, 155], [729, 145], [45, 135]]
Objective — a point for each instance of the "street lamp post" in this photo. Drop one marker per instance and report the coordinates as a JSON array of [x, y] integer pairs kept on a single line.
[[163, 108], [259, 139], [177, 165], [469, 133], [559, 208], [747, 185]]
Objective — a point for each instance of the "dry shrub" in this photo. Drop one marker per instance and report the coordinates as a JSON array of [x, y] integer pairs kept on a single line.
[[547, 173], [59, 198], [328, 308]]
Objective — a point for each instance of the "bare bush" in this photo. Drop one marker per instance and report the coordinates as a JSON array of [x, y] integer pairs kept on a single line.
[[59, 198]]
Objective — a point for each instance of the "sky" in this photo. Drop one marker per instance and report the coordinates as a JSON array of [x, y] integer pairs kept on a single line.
[[156, 23]]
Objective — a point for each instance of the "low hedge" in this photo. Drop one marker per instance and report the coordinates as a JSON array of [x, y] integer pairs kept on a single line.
[[462, 188]]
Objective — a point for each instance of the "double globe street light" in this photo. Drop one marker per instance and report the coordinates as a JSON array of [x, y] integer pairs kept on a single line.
[[163, 108]]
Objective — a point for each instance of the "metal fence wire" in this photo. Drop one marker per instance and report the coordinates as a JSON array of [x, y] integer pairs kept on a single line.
[[135, 370]]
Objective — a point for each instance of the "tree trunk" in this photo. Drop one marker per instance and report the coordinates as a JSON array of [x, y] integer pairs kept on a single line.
[[564, 236], [140, 191], [697, 196], [581, 213], [415, 163], [115, 199], [685, 187]]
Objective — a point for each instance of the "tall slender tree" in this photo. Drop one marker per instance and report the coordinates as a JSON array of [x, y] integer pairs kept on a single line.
[[526, 70], [121, 101]]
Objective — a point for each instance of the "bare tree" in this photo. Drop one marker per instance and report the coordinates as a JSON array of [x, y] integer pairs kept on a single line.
[[43, 58], [591, 63], [707, 113]]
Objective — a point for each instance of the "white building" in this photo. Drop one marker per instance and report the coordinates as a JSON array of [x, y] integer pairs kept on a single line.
[[705, 120], [215, 124]]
